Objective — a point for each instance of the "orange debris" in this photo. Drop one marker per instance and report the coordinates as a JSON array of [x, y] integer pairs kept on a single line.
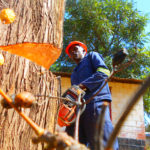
[[42, 54], [1, 59], [7, 16]]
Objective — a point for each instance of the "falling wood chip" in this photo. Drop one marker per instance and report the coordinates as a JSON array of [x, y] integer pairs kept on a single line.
[[42, 54]]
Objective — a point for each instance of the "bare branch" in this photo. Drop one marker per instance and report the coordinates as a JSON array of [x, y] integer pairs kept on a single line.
[[99, 131]]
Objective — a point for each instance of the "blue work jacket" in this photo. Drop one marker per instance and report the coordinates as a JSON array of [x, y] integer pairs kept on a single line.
[[86, 73]]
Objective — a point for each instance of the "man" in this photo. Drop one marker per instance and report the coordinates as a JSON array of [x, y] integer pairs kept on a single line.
[[90, 74]]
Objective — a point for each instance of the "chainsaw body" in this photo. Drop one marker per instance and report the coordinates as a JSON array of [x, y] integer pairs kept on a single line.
[[67, 111]]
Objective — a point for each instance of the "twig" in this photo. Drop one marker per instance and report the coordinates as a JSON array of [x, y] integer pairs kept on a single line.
[[61, 98], [127, 110], [76, 132], [99, 132]]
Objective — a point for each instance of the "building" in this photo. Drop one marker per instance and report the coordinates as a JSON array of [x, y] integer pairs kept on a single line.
[[132, 134], [147, 140]]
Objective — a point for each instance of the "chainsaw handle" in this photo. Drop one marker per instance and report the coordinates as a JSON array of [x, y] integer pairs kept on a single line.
[[82, 110]]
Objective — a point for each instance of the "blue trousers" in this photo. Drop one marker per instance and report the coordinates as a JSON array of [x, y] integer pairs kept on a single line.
[[87, 126]]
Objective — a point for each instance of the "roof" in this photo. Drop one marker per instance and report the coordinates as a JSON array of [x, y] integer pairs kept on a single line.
[[126, 80], [114, 79]]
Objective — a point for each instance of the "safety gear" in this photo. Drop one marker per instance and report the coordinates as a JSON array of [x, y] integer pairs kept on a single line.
[[103, 70], [75, 43], [67, 111]]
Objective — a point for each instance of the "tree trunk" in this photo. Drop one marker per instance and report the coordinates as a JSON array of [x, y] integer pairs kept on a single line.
[[37, 35], [17, 75], [37, 30]]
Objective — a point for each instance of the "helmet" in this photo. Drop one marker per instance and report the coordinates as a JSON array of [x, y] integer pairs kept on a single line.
[[75, 43]]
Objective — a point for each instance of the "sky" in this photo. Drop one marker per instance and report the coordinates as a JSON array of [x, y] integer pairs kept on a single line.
[[144, 7]]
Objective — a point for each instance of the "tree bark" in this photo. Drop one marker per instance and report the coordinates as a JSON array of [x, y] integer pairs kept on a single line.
[[17, 75], [38, 23], [37, 30]]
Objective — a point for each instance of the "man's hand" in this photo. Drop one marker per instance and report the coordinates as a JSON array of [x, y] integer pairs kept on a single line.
[[73, 92], [82, 87]]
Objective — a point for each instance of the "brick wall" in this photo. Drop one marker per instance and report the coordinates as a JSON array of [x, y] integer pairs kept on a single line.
[[131, 144], [148, 140], [65, 83], [133, 127]]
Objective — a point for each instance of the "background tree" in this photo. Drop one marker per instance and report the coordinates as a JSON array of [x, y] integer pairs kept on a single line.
[[105, 26]]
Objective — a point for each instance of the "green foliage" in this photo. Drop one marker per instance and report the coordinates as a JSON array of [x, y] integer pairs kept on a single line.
[[147, 101], [106, 26], [147, 128]]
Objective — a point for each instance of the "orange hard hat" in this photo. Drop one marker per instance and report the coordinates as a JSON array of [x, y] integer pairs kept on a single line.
[[75, 43]]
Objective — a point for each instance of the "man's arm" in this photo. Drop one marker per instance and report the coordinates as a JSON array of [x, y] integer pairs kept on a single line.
[[100, 74]]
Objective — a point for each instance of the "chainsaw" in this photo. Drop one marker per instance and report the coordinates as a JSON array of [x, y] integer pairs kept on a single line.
[[67, 111]]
